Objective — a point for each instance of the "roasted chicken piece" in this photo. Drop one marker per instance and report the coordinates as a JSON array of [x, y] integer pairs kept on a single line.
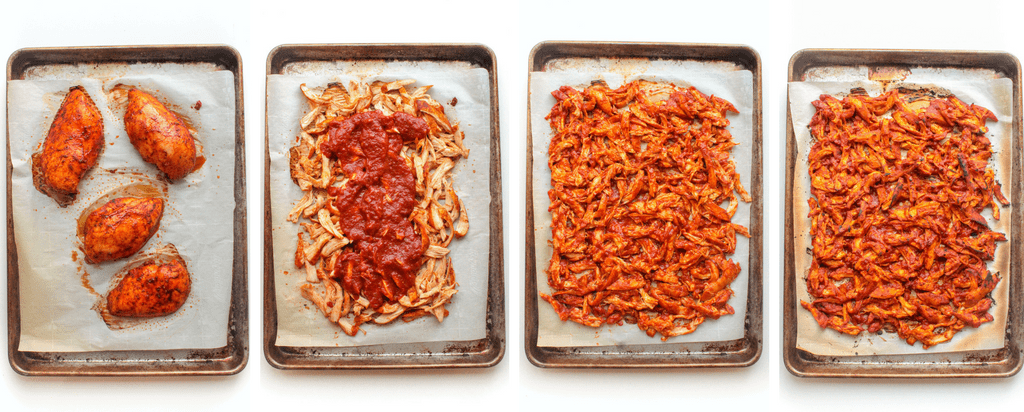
[[153, 289], [71, 148], [160, 136], [120, 227]]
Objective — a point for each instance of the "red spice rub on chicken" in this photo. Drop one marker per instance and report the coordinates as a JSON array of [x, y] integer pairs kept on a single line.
[[160, 136], [152, 289], [120, 227], [71, 148]]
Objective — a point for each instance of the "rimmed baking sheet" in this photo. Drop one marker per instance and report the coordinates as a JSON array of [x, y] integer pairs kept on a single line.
[[223, 351], [474, 333], [963, 70], [727, 69]]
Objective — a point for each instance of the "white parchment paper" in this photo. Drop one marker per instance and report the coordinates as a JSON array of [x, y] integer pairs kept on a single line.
[[722, 80], [993, 94], [299, 321], [56, 309]]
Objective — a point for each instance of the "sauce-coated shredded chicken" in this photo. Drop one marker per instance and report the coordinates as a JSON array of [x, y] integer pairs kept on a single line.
[[152, 289], [638, 177], [899, 243], [71, 148]]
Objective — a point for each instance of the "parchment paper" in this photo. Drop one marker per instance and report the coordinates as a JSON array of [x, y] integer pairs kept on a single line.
[[722, 80], [995, 95], [56, 309], [299, 321]]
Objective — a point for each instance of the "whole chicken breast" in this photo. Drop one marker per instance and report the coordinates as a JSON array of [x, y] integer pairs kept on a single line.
[[71, 148], [153, 289], [160, 136], [120, 227]]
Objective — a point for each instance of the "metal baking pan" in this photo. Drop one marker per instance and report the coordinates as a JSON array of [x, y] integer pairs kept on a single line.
[[484, 352], [226, 360], [1002, 362], [734, 353]]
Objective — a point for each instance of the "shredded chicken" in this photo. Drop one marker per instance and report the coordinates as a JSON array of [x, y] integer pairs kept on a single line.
[[899, 244], [638, 175], [438, 217]]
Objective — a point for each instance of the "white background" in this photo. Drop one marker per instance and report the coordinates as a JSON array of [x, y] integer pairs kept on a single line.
[[776, 29]]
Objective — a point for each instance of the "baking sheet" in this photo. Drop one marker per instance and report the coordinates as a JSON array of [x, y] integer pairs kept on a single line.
[[46, 233], [722, 79], [970, 87], [299, 323]]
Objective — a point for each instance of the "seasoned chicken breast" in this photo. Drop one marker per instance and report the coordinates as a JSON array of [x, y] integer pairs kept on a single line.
[[71, 148], [120, 227], [159, 135], [153, 289]]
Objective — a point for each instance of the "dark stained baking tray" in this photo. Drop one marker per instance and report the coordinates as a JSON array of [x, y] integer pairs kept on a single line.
[[734, 353], [484, 352], [226, 360], [1002, 362]]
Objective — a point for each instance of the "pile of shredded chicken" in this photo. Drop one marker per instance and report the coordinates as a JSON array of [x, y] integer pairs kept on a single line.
[[899, 243], [639, 175], [437, 217]]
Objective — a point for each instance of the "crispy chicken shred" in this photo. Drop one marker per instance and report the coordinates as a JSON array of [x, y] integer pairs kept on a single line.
[[897, 188], [350, 277], [639, 175]]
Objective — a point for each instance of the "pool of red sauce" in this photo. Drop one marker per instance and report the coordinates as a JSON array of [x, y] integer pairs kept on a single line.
[[376, 203]]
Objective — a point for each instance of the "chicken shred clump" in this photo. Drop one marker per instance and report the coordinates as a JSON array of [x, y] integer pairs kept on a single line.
[[349, 278], [898, 182], [643, 191]]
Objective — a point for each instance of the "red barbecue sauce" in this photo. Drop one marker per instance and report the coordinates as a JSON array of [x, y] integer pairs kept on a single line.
[[376, 204]]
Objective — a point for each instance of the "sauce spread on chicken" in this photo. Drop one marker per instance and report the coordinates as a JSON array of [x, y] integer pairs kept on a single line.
[[377, 201]]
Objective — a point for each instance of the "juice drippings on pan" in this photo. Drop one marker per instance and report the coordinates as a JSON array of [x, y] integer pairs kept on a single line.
[[101, 304], [200, 160], [200, 150], [117, 99], [138, 175], [888, 74], [84, 275], [376, 204]]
